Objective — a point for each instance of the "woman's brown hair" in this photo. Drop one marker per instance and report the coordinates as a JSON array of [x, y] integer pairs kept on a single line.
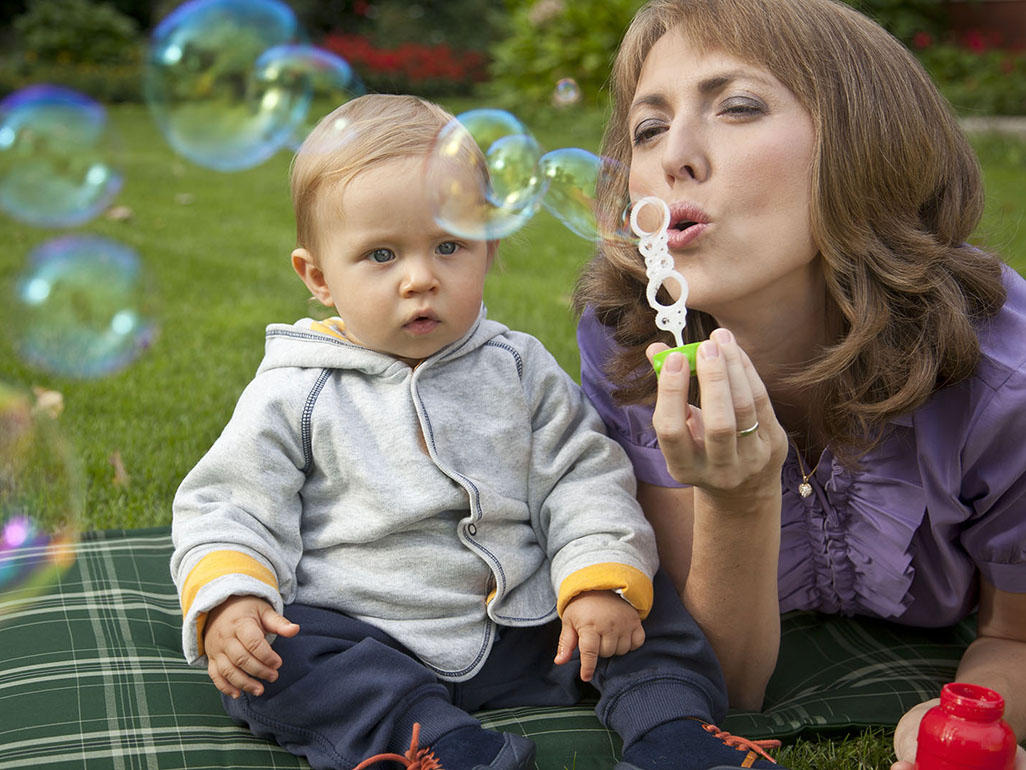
[[896, 193]]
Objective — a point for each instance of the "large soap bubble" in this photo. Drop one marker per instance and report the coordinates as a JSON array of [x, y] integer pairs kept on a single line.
[[574, 179], [58, 157], [200, 86], [82, 307], [41, 500], [306, 81], [483, 175]]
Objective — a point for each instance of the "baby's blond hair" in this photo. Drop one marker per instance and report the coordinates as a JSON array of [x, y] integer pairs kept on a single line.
[[361, 133]]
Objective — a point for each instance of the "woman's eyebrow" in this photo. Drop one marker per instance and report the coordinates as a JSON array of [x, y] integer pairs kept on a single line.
[[706, 86], [656, 100]]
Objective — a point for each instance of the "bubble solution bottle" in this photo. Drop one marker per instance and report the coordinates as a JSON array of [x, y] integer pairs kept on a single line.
[[966, 731]]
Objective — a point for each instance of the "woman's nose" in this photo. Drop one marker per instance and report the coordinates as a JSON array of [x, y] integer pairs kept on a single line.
[[685, 154]]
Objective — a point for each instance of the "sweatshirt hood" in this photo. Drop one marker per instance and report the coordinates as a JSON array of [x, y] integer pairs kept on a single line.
[[301, 344]]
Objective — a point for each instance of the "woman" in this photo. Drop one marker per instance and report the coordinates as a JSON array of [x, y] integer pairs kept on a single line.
[[857, 448]]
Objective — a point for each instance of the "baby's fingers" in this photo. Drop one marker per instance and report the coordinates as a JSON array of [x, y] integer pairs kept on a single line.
[[566, 645], [277, 624], [590, 645], [230, 679], [629, 640], [257, 660]]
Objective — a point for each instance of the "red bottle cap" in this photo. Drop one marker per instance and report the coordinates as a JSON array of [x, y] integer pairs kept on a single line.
[[966, 731]]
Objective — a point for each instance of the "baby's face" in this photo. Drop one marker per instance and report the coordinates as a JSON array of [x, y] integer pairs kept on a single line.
[[402, 284]]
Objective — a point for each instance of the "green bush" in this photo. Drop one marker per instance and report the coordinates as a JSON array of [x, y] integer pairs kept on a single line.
[[986, 82], [86, 46], [104, 83], [549, 40], [76, 32], [905, 18]]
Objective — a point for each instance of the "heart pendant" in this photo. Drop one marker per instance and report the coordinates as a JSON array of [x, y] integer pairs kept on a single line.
[[805, 489]]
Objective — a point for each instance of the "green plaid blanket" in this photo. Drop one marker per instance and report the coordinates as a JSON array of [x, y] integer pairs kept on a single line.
[[91, 676]]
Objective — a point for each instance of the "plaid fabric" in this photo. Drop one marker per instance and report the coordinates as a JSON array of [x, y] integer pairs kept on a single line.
[[91, 676]]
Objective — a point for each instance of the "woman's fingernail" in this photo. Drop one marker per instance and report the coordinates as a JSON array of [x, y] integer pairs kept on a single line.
[[709, 349], [674, 363], [723, 336]]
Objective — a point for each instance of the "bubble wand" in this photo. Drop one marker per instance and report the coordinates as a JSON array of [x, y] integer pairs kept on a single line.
[[659, 267]]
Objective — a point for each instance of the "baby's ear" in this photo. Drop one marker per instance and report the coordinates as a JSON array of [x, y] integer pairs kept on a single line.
[[493, 249], [305, 267]]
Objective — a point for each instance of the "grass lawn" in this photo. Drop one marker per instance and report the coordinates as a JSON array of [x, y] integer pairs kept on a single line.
[[216, 247]]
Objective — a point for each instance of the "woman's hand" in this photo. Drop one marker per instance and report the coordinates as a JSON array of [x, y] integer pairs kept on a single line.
[[907, 731], [703, 447]]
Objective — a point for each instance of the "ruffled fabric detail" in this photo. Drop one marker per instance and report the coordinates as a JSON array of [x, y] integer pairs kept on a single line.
[[846, 548]]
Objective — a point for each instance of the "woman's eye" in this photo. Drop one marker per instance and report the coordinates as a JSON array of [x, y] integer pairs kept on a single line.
[[647, 130], [448, 247], [381, 256], [742, 107]]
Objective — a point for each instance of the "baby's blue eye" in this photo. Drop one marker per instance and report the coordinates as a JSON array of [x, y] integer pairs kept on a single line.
[[381, 256], [448, 247]]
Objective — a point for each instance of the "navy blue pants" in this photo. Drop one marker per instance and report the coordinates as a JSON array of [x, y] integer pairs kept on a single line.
[[346, 690]]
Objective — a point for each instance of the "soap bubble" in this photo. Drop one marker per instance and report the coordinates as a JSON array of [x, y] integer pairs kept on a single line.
[[566, 93], [200, 87], [82, 308], [41, 500], [483, 175], [575, 177], [58, 157], [307, 82]]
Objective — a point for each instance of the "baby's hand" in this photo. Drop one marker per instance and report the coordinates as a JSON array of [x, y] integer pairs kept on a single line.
[[236, 647], [601, 624]]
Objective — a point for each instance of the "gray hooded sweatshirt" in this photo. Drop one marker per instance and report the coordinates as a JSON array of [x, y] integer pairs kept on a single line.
[[435, 502]]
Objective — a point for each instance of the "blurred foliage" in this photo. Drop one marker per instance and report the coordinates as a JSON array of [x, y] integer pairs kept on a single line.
[[439, 48], [468, 25], [430, 47], [76, 32], [104, 83], [88, 46], [906, 18], [427, 70], [549, 40], [978, 82]]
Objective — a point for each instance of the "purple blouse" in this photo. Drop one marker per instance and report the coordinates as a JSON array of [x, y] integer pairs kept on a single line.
[[942, 497]]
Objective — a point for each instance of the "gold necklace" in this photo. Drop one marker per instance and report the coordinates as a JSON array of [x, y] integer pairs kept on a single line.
[[805, 488]]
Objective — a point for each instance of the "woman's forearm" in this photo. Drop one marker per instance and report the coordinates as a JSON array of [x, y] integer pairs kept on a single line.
[[999, 664], [731, 589]]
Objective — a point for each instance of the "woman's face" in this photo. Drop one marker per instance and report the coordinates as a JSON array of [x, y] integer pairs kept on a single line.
[[730, 150]]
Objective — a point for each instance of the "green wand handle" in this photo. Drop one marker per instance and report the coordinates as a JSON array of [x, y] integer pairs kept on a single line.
[[690, 351]]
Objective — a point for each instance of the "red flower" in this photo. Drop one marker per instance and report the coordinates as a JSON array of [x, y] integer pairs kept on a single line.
[[975, 41], [922, 40]]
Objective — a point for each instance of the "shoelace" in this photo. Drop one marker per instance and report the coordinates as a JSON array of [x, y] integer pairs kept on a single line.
[[742, 744], [414, 759]]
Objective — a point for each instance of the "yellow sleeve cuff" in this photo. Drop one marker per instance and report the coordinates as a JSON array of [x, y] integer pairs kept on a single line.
[[631, 583], [212, 566]]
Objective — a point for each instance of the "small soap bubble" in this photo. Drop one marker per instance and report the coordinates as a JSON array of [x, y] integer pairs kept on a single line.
[[199, 82], [575, 178], [307, 82], [59, 157], [566, 93], [82, 307], [483, 175], [41, 500]]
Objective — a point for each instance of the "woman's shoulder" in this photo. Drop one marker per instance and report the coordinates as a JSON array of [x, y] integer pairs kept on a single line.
[[1002, 337]]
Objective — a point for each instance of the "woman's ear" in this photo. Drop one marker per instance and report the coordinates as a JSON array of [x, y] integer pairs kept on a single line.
[[305, 267]]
